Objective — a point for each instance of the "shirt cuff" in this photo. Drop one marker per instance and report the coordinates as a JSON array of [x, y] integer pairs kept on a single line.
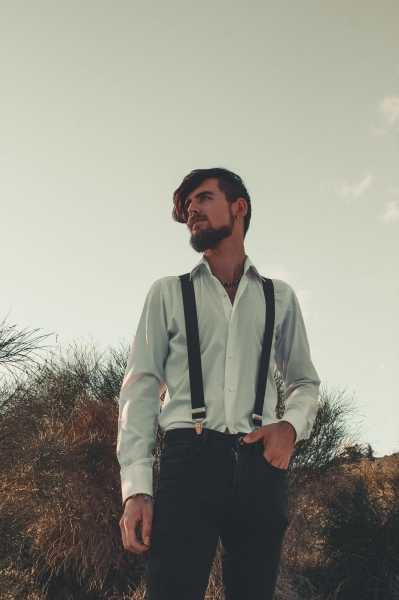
[[302, 406], [300, 422], [136, 479]]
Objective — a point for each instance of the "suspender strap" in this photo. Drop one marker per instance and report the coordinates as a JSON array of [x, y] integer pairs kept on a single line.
[[264, 360], [193, 351]]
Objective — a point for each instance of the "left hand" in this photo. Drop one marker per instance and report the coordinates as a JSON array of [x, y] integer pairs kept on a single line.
[[278, 441]]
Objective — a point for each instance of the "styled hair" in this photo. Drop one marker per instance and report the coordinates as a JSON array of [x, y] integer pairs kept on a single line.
[[228, 182]]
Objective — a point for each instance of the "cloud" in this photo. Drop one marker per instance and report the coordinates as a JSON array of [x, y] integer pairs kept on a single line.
[[356, 189], [378, 131], [389, 116], [389, 107], [391, 211]]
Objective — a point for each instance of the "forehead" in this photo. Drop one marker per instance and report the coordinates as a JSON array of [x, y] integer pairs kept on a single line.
[[210, 184]]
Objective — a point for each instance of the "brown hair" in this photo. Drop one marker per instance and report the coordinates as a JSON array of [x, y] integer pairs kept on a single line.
[[230, 183]]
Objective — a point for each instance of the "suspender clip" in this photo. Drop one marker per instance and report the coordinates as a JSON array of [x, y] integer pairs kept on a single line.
[[257, 420], [198, 427]]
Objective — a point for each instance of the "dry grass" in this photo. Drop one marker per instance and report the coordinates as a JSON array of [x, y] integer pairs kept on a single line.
[[60, 495]]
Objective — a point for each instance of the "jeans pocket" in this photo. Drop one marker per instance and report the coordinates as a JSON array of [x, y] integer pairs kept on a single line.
[[176, 465], [273, 467], [273, 493], [268, 465]]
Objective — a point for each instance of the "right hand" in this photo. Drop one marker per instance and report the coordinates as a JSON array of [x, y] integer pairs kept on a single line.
[[137, 511]]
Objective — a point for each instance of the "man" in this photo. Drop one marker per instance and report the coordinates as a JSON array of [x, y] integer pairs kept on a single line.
[[223, 469]]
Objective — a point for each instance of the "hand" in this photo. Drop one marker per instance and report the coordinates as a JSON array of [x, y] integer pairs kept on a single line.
[[278, 441], [137, 510]]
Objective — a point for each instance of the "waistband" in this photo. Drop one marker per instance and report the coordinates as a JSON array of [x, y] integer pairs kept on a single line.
[[207, 435]]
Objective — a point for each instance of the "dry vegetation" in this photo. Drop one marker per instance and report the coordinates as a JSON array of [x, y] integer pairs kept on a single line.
[[60, 497]]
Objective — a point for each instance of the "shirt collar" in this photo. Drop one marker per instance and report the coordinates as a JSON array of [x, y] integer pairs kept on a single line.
[[203, 264]]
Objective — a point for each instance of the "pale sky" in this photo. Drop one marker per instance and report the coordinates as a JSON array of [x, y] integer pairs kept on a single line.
[[106, 106]]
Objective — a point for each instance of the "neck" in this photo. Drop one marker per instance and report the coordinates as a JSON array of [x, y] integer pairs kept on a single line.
[[226, 267]]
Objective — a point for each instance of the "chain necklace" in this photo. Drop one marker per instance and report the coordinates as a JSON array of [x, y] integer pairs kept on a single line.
[[230, 284]]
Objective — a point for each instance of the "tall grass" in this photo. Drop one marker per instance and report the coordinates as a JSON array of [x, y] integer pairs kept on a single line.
[[60, 492]]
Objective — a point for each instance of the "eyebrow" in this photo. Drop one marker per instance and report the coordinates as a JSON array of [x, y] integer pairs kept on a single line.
[[203, 193]]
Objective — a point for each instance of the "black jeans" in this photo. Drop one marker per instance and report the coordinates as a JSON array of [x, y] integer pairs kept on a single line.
[[209, 487]]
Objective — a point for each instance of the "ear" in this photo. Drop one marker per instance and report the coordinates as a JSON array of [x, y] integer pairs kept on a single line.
[[243, 205]]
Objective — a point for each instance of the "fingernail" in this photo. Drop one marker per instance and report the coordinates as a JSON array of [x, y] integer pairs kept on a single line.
[[147, 541]]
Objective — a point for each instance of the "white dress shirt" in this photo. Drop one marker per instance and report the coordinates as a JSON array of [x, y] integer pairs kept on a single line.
[[231, 338]]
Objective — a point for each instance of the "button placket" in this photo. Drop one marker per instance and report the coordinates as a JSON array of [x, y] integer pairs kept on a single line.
[[235, 451], [228, 365]]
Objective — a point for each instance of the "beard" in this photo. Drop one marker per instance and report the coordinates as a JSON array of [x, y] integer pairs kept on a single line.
[[209, 237]]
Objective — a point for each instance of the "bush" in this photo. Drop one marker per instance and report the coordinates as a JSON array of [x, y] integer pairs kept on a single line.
[[361, 542], [60, 482]]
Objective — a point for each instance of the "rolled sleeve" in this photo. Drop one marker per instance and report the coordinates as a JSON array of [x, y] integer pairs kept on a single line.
[[293, 359], [139, 397]]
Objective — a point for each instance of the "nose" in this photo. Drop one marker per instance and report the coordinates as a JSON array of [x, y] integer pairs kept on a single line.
[[192, 209], [192, 213]]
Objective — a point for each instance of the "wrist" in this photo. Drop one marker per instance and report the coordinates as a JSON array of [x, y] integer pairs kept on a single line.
[[146, 498], [289, 426]]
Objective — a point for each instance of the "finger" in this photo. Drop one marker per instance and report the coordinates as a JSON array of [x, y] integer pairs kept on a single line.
[[122, 533], [147, 526], [279, 463], [132, 542], [267, 459]]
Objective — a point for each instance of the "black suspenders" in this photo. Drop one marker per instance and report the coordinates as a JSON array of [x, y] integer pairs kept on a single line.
[[194, 352]]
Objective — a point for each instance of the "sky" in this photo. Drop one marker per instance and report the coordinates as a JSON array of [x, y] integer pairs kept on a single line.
[[106, 106]]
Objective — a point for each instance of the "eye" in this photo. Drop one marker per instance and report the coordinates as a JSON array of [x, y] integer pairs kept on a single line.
[[201, 198]]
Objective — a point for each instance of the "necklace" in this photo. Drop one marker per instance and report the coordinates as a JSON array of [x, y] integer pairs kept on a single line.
[[231, 283]]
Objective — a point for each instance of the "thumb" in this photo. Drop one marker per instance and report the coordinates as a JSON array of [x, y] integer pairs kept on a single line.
[[147, 533], [253, 436], [147, 539]]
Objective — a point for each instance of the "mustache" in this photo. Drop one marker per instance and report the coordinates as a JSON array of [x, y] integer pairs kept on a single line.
[[194, 221]]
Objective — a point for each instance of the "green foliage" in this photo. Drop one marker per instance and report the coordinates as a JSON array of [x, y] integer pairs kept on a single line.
[[281, 394], [355, 452], [329, 436]]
